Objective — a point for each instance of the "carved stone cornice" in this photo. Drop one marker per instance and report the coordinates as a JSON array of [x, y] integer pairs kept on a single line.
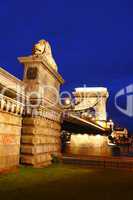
[[45, 64], [91, 92]]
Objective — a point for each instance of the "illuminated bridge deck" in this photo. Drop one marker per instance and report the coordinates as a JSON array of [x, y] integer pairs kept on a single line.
[[75, 124]]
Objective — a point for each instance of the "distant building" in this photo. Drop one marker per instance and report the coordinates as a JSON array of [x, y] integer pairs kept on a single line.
[[120, 132]]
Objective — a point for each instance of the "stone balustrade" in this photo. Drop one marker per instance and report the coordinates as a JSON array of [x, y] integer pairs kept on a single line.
[[10, 105]]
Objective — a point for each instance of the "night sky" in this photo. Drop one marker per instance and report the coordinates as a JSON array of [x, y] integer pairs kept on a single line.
[[92, 42]]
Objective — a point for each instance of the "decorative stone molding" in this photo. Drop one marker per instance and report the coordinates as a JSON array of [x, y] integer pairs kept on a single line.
[[39, 60]]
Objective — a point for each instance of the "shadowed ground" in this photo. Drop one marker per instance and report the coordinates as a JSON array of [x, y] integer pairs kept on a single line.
[[66, 182]]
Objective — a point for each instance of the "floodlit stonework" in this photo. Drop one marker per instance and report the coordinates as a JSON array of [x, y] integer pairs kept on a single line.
[[10, 132], [41, 122], [40, 139], [95, 98], [30, 111]]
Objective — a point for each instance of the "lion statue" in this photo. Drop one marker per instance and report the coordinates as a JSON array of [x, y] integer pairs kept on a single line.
[[42, 48]]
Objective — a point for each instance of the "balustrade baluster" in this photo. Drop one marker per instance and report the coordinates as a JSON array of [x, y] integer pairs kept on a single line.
[[13, 108], [8, 105], [2, 105]]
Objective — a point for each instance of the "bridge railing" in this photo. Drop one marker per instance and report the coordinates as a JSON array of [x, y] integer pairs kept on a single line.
[[8, 104]]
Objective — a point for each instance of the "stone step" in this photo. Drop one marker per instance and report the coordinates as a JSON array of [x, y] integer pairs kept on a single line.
[[95, 162]]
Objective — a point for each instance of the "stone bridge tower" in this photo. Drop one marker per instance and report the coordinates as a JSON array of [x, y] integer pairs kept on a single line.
[[41, 122], [91, 101]]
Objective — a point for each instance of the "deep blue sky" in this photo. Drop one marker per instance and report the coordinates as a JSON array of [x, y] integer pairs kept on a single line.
[[92, 41]]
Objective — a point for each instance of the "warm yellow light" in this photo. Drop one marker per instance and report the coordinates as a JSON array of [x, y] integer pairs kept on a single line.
[[85, 140], [67, 101], [102, 123], [98, 136], [89, 145]]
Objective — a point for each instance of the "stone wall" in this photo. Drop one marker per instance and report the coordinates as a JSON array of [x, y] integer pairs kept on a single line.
[[40, 139], [10, 132]]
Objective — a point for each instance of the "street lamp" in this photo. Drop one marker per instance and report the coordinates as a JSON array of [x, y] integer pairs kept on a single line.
[[111, 125], [67, 101]]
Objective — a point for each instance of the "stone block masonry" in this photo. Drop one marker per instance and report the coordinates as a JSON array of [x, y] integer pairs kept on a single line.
[[10, 132], [41, 127], [40, 139], [30, 131]]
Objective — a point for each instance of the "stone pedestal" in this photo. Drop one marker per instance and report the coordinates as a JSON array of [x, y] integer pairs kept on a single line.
[[41, 122], [40, 139]]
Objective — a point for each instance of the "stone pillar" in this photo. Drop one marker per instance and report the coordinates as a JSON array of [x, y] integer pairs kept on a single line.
[[41, 122], [40, 139]]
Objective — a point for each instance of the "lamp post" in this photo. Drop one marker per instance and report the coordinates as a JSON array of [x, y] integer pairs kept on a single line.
[[111, 125]]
